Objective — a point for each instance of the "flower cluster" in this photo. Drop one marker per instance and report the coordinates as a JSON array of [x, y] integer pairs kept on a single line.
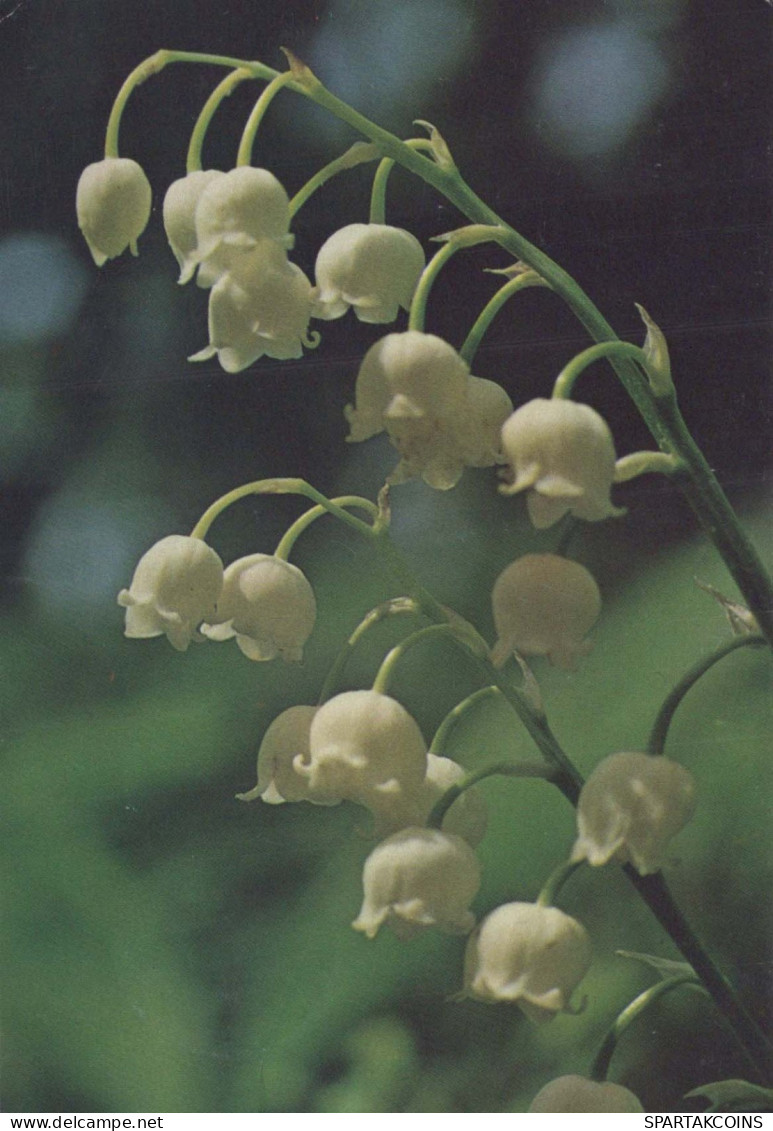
[[180, 589]]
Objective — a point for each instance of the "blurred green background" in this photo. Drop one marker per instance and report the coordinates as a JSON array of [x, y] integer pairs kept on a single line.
[[165, 947]]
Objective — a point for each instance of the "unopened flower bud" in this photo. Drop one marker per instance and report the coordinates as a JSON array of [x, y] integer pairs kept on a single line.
[[113, 206], [562, 453], [286, 737], [364, 747], [543, 606], [630, 808], [531, 955], [175, 587], [373, 268], [268, 605], [578, 1094], [180, 203], [419, 878], [261, 306]]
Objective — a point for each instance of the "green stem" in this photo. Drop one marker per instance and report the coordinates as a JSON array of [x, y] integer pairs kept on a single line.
[[156, 63], [451, 720], [628, 1015], [221, 91], [555, 881], [657, 739], [498, 769], [492, 308], [357, 154], [395, 655], [381, 179], [641, 463], [398, 606], [277, 487], [464, 237], [244, 156], [291, 535], [562, 389]]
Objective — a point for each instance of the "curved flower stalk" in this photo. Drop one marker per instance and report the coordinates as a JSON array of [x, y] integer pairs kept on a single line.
[[176, 586], [528, 954], [260, 306], [563, 454], [467, 818], [577, 1093], [179, 212], [267, 605], [113, 204], [544, 605], [630, 809], [372, 268], [419, 878], [278, 780], [365, 747]]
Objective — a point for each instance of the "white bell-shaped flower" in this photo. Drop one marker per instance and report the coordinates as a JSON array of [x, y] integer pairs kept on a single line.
[[261, 306], [278, 781], [419, 878], [373, 268], [544, 605], [630, 808], [268, 605], [467, 817], [175, 587], [531, 955], [236, 212], [180, 203], [578, 1094], [113, 206], [364, 746], [563, 454], [480, 432]]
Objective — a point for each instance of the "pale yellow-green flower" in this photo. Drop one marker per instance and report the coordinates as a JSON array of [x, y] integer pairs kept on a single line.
[[113, 206], [578, 1094], [373, 268]]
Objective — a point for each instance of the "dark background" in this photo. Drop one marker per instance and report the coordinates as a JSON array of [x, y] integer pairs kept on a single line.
[[630, 140]]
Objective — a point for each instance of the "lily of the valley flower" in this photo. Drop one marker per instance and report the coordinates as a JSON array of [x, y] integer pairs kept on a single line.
[[467, 817], [235, 213], [543, 606], [268, 605], [261, 306], [577, 1093], [113, 206], [364, 747], [531, 955], [419, 878], [373, 268], [278, 781], [175, 587], [180, 203], [630, 808], [563, 454], [418, 388]]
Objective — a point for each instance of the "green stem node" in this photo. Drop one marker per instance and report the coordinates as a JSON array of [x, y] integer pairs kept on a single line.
[[562, 390], [657, 739], [463, 237]]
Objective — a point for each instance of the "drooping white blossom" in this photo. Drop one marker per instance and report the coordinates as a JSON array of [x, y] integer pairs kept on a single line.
[[530, 955], [630, 809], [563, 454], [364, 747], [419, 878], [467, 817], [278, 781], [268, 605], [261, 306], [180, 203], [235, 213], [480, 436], [578, 1094], [373, 268], [113, 203], [175, 587], [544, 605]]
